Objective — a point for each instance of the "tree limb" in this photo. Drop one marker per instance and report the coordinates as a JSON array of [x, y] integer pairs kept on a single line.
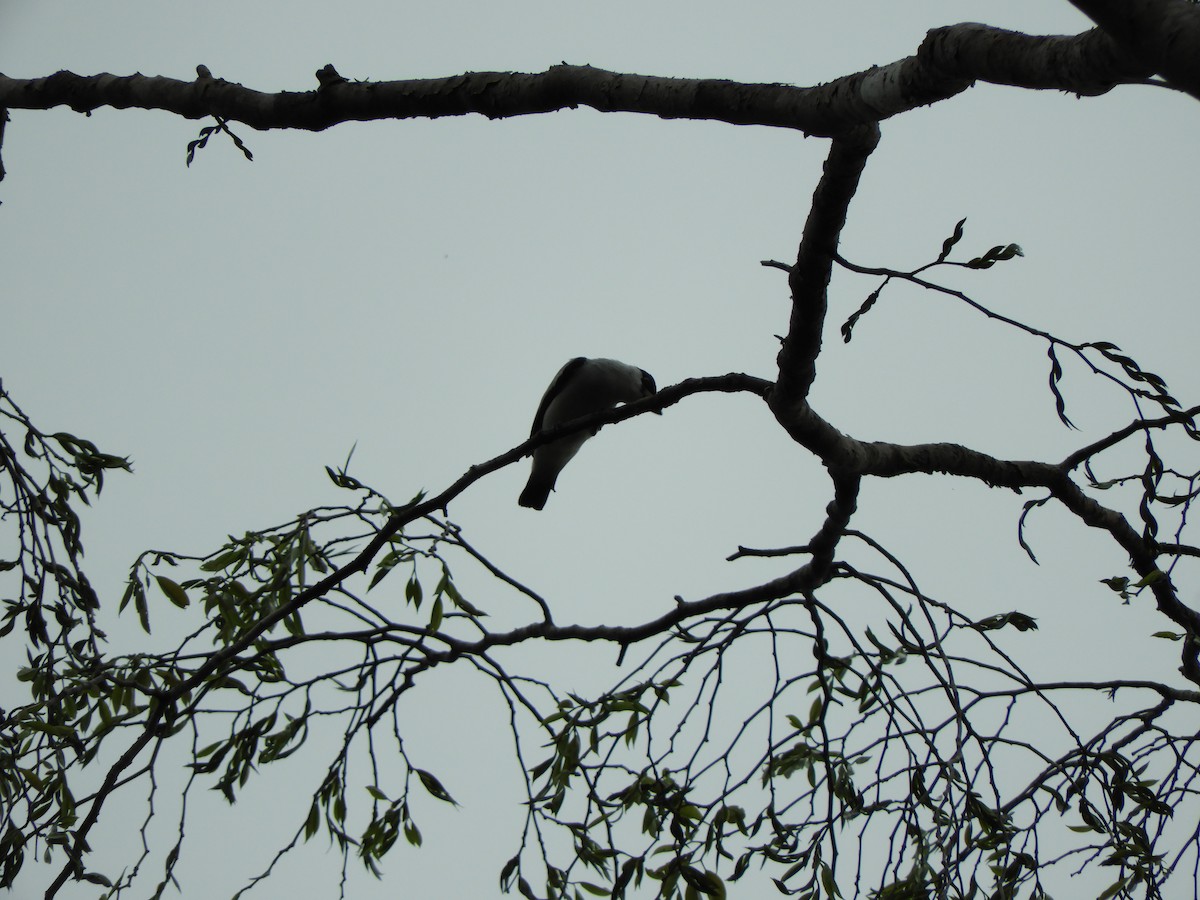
[[948, 62], [809, 277], [733, 382], [1159, 35]]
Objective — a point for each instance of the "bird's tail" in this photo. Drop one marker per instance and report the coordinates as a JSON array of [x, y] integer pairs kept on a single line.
[[536, 493]]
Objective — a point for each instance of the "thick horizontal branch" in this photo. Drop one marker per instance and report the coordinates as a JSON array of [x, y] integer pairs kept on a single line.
[[1086, 64], [1161, 36], [948, 61]]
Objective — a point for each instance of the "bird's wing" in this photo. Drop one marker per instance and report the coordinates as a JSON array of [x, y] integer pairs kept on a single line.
[[561, 380]]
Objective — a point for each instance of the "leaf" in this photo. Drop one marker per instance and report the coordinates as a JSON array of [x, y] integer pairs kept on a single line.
[[848, 325], [815, 711], [1017, 620], [827, 881], [948, 244], [342, 480], [412, 833], [997, 254], [133, 586], [1113, 889], [461, 602], [312, 823], [174, 592], [431, 784], [237, 142], [1151, 478], [229, 558], [143, 608], [200, 142], [1060, 404], [507, 872], [412, 591], [1030, 505], [384, 567]]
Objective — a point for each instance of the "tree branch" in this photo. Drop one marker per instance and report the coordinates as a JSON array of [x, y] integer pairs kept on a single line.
[[1159, 35], [844, 454], [1087, 64], [948, 61], [805, 579], [733, 382], [1183, 417], [809, 277]]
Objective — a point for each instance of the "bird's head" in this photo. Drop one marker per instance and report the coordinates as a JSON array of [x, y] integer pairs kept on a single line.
[[649, 388]]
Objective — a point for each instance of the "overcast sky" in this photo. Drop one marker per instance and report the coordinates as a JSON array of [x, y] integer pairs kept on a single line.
[[410, 288]]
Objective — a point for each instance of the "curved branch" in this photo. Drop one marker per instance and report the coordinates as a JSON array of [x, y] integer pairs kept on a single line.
[[1183, 417], [1159, 35], [843, 454], [1090, 63], [806, 578], [948, 62]]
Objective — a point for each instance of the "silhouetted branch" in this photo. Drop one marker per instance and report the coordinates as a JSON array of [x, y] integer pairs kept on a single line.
[[1157, 35], [948, 61]]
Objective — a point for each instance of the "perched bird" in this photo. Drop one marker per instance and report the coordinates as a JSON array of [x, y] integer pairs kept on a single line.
[[581, 387]]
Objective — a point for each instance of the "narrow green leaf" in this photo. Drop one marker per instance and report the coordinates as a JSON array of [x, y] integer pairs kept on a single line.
[[143, 608], [507, 872], [412, 834], [434, 786], [312, 823], [174, 592], [224, 561], [412, 591]]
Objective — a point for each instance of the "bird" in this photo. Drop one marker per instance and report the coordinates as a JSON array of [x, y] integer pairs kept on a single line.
[[581, 387]]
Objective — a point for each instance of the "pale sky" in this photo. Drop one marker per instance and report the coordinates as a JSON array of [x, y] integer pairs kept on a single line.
[[410, 288]]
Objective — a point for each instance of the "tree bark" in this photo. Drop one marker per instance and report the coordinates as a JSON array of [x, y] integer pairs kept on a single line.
[[1162, 36], [948, 61]]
